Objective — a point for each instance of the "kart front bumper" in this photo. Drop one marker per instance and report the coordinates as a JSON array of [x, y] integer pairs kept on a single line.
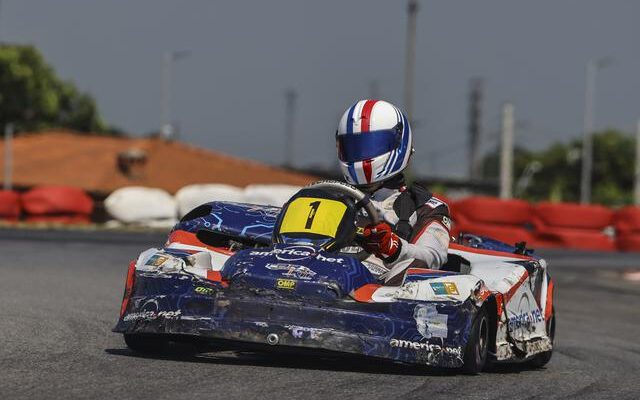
[[375, 330]]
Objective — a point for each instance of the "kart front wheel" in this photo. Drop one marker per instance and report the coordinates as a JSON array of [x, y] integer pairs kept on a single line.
[[476, 350], [146, 344]]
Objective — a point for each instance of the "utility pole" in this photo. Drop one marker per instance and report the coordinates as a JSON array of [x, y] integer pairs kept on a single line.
[[593, 66], [290, 110], [636, 191], [8, 157], [169, 57], [506, 152], [475, 128], [410, 58]]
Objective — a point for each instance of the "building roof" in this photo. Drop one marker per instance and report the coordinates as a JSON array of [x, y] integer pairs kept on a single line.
[[103, 164]]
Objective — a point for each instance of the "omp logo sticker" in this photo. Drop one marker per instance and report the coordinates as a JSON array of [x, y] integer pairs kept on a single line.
[[204, 290], [287, 284]]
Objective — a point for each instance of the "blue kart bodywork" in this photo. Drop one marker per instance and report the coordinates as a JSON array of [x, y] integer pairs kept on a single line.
[[290, 295]]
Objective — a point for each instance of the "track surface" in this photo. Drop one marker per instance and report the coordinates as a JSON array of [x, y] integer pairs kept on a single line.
[[59, 301]]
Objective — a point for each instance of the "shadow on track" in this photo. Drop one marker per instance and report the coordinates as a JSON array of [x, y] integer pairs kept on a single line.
[[278, 359], [287, 360]]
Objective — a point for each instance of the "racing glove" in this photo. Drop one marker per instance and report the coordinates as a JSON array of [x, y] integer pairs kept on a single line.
[[380, 240]]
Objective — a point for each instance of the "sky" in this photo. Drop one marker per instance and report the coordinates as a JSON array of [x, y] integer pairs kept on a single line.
[[228, 95]]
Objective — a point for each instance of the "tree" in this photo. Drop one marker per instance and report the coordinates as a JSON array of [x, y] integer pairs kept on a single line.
[[33, 98], [559, 178]]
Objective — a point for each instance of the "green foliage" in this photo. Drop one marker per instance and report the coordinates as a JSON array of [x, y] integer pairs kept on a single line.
[[559, 178], [34, 98]]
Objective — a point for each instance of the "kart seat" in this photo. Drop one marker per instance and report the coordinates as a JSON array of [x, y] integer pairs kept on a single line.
[[456, 263]]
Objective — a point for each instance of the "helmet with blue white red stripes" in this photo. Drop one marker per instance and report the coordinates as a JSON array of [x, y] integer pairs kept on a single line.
[[374, 142]]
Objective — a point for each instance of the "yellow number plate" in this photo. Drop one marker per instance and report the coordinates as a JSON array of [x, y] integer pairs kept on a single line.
[[312, 215]]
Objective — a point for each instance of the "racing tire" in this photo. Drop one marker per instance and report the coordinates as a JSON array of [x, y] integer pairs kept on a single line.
[[145, 344], [476, 351], [540, 360]]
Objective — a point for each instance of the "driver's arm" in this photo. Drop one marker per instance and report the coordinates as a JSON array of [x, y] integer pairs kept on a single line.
[[426, 248], [430, 246]]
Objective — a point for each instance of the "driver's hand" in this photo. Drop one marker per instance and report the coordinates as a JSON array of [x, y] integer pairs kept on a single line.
[[380, 240]]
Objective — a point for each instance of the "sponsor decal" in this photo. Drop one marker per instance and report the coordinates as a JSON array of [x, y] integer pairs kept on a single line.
[[203, 290], [302, 332], [374, 268], [152, 315], [292, 270], [287, 284], [431, 348], [444, 288], [525, 320], [156, 260], [434, 203], [446, 221], [481, 293], [297, 253], [429, 322]]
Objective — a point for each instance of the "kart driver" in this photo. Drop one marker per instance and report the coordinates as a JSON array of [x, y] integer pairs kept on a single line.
[[374, 144]]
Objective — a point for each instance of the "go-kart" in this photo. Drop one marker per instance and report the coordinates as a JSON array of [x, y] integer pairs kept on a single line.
[[294, 277]]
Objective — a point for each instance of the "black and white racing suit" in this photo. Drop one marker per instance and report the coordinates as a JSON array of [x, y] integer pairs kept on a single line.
[[427, 243]]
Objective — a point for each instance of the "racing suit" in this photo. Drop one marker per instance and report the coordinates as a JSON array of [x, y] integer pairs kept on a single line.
[[426, 241]]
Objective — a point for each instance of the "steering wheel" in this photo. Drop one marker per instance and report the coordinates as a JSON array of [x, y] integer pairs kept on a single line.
[[362, 201]]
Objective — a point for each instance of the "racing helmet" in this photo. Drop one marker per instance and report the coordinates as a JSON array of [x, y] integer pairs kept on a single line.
[[374, 142]]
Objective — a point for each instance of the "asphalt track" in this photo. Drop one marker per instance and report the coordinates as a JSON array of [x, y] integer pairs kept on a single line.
[[60, 296]]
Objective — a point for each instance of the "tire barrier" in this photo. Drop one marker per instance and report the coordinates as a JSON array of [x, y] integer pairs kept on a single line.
[[571, 215], [56, 200], [627, 224], [189, 197], [77, 219], [581, 239], [491, 210], [628, 241], [502, 220], [627, 219], [9, 205], [142, 206], [504, 233], [545, 225], [272, 195]]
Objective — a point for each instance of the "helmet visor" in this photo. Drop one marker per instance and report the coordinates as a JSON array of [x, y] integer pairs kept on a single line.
[[354, 147]]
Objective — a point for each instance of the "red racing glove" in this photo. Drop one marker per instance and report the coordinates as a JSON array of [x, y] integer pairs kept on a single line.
[[380, 240]]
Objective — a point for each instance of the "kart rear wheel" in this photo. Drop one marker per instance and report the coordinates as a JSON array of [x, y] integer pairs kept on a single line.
[[476, 350], [145, 344], [540, 360]]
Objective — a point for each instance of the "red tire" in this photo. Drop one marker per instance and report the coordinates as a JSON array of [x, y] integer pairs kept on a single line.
[[628, 242], [580, 239], [504, 233], [9, 204], [571, 215], [627, 219], [48, 200], [72, 219], [491, 210]]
